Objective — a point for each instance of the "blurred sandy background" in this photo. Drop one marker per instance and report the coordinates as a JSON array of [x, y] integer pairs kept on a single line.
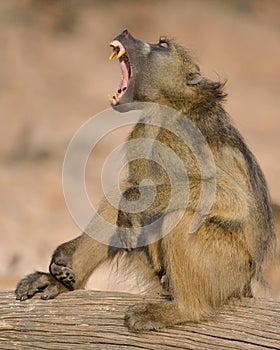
[[55, 74]]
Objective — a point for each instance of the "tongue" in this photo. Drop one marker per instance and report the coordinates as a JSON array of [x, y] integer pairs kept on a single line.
[[125, 74]]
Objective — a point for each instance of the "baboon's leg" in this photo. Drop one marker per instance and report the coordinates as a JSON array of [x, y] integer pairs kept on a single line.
[[72, 262], [204, 270], [69, 269]]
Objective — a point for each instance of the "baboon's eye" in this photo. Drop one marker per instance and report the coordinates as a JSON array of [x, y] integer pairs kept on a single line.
[[164, 44]]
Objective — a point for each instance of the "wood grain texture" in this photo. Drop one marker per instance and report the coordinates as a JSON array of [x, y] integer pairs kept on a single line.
[[95, 320]]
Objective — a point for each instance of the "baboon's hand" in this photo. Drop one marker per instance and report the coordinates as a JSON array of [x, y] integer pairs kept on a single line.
[[39, 282], [60, 269]]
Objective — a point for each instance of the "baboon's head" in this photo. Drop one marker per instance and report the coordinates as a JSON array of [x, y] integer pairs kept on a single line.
[[162, 72]]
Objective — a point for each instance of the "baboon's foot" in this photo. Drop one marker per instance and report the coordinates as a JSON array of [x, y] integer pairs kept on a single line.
[[150, 316], [39, 282], [62, 273]]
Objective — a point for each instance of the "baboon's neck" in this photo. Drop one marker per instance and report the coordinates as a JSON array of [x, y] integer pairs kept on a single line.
[[206, 98]]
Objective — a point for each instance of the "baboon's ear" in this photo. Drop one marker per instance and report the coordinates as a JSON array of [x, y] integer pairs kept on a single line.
[[194, 78]]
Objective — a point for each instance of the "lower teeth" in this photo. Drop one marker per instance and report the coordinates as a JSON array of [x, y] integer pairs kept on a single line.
[[116, 98]]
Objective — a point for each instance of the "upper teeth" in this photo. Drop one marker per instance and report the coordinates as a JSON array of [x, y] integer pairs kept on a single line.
[[113, 54], [118, 49], [121, 53]]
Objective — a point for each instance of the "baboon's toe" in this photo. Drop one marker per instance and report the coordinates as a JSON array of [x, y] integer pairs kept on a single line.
[[63, 274]]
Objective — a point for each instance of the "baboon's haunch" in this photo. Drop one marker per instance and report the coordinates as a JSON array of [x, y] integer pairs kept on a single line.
[[201, 270]]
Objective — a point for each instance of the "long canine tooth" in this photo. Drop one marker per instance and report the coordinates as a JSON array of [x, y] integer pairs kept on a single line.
[[114, 100], [121, 53], [113, 54]]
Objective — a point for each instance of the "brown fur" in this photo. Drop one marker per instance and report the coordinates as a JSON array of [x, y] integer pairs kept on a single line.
[[208, 267]]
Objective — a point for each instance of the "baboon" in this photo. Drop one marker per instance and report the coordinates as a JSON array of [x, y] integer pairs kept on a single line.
[[199, 270]]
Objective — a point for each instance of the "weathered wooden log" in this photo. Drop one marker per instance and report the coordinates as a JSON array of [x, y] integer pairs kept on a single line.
[[95, 320]]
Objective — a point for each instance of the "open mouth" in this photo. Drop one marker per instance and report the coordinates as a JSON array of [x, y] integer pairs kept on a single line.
[[120, 52]]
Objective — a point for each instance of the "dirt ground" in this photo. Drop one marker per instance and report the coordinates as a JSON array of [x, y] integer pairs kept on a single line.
[[55, 74]]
